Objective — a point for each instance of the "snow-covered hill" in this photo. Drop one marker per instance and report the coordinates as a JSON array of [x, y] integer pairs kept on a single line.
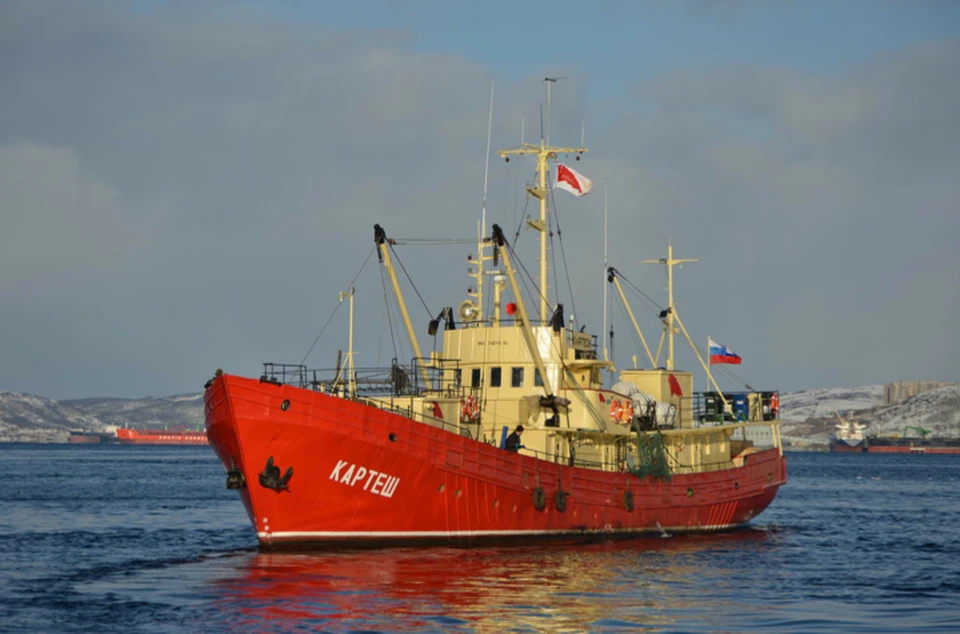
[[163, 412], [809, 416], [29, 418], [825, 402], [937, 410]]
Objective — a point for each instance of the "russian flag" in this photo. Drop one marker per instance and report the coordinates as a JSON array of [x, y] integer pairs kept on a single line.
[[722, 354]]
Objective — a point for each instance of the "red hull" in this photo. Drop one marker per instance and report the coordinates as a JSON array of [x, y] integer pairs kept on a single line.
[[160, 437], [366, 477], [909, 449]]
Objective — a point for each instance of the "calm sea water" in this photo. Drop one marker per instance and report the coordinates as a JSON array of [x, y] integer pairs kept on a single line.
[[147, 539]]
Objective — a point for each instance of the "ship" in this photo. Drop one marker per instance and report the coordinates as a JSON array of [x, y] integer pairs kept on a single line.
[[920, 442], [848, 436], [129, 436], [80, 436], [503, 434]]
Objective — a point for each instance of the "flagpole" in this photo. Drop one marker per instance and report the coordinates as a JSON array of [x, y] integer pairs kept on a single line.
[[606, 356], [544, 153], [486, 169]]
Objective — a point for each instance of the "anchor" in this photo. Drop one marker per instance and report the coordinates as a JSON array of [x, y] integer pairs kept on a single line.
[[270, 476], [235, 479]]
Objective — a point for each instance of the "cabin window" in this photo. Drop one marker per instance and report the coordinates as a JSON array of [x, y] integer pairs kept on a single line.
[[475, 378], [495, 377], [537, 379], [457, 377], [516, 377]]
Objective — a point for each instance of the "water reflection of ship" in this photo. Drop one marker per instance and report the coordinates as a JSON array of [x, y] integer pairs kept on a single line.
[[568, 588]]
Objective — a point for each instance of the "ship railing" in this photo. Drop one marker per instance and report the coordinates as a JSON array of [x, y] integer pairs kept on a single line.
[[406, 408], [444, 378]]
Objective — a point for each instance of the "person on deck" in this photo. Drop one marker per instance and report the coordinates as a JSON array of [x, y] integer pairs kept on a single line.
[[513, 440]]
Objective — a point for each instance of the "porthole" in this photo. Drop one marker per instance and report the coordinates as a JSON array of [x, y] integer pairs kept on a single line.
[[392, 437], [285, 405], [458, 493], [496, 503], [689, 493], [736, 485], [441, 488]]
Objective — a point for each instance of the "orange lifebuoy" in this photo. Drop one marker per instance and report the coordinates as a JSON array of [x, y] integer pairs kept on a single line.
[[774, 404], [621, 411], [616, 409], [469, 409]]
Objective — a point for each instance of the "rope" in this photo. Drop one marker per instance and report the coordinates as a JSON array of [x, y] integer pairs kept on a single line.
[[409, 279], [339, 304], [388, 310], [431, 241], [566, 268], [657, 308]]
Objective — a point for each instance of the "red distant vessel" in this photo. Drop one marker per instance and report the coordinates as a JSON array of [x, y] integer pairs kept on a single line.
[[160, 437], [419, 453]]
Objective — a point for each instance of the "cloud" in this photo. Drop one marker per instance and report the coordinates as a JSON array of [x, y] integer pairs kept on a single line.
[[826, 204], [191, 188]]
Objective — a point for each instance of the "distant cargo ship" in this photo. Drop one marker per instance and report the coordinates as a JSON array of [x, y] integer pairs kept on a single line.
[[849, 437], [160, 437], [875, 444], [89, 437]]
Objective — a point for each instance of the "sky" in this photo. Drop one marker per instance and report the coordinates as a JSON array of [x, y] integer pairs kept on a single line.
[[186, 186]]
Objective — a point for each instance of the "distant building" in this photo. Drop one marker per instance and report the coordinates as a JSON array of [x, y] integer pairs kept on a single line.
[[900, 391]]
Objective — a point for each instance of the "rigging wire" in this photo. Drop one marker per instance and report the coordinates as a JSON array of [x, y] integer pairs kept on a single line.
[[339, 304], [652, 304], [523, 214], [388, 310], [566, 267], [431, 241], [633, 333], [409, 279], [526, 275]]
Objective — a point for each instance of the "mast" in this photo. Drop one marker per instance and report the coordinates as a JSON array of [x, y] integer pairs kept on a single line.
[[612, 276], [501, 243], [483, 213], [383, 249], [544, 152], [670, 263], [606, 356], [351, 371]]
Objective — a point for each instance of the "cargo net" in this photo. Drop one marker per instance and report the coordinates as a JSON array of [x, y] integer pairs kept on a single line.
[[652, 457]]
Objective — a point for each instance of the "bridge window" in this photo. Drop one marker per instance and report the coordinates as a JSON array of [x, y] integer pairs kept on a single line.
[[537, 379], [516, 377], [475, 378], [495, 377]]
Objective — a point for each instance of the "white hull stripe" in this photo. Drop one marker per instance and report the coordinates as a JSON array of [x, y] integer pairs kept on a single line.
[[414, 534]]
